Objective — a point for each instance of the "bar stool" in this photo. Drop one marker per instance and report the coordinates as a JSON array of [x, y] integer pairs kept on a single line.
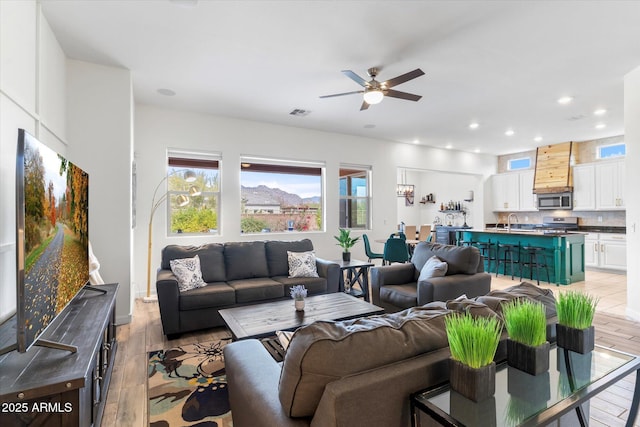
[[508, 253], [485, 249], [535, 259]]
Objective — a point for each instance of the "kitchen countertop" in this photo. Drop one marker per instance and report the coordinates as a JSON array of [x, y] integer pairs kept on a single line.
[[533, 228], [522, 231]]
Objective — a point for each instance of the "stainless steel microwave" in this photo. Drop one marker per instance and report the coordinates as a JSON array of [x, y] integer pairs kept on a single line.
[[555, 201]]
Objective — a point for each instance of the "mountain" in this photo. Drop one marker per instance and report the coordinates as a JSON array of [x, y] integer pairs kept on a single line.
[[263, 195]]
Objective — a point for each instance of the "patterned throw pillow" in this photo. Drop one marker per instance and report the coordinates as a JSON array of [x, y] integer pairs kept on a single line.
[[434, 267], [188, 272], [302, 264]]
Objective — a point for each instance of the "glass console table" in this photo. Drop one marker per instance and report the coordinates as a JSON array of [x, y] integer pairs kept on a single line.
[[526, 400]]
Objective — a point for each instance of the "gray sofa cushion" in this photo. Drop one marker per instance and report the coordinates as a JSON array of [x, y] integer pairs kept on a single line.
[[211, 259], [277, 260], [459, 259], [323, 352], [245, 260], [256, 289], [213, 295]]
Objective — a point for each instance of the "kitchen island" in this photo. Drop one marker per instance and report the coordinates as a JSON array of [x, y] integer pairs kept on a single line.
[[563, 252]]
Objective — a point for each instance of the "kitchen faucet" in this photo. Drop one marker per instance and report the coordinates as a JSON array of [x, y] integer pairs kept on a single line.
[[509, 220]]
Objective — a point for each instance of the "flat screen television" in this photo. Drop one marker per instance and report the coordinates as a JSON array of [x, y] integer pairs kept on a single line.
[[52, 238]]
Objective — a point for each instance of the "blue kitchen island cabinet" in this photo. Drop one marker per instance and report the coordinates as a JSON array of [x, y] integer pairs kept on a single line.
[[563, 252]]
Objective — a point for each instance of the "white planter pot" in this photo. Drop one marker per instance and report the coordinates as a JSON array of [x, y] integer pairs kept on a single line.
[[299, 305]]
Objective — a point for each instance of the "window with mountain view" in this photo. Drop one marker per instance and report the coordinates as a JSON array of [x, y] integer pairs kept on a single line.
[[193, 205], [355, 197], [280, 196]]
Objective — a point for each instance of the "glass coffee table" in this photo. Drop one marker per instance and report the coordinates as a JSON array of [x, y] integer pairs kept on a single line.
[[526, 400]]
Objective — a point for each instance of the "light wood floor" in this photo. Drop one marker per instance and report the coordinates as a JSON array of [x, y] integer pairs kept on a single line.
[[127, 398]]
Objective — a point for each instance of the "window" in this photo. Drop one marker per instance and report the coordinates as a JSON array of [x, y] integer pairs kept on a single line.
[[355, 197], [280, 195], [193, 207], [523, 163], [613, 150]]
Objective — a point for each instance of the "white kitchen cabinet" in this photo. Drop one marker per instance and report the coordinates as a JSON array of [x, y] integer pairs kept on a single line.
[[526, 197], [584, 187], [505, 189], [610, 185], [513, 191], [605, 250]]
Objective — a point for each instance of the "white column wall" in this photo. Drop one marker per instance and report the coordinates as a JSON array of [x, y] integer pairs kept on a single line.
[[632, 139], [99, 125], [157, 129]]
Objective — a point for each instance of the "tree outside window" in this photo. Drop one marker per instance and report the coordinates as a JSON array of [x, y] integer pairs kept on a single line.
[[280, 196], [200, 215], [355, 197]]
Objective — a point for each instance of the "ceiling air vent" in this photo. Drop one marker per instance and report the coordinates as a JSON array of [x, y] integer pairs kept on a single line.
[[298, 112]]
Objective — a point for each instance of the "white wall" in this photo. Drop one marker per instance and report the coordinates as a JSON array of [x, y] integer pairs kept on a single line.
[[157, 129], [100, 122], [32, 84], [632, 139]]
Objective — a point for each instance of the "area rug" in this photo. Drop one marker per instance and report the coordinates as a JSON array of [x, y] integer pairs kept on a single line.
[[187, 386]]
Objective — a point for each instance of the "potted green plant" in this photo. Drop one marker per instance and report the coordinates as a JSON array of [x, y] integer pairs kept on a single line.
[[527, 345], [575, 329], [473, 343], [346, 242], [298, 293]]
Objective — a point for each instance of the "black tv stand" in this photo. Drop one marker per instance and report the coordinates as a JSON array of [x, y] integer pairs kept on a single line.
[[94, 288], [72, 388]]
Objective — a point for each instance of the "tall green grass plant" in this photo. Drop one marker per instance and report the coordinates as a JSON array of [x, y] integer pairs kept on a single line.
[[526, 322], [576, 309], [473, 341]]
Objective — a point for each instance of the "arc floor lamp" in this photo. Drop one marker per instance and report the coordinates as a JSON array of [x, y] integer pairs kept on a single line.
[[181, 201]]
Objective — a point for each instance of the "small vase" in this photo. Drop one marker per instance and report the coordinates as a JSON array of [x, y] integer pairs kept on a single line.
[[579, 340], [474, 384], [532, 360], [346, 256], [299, 303]]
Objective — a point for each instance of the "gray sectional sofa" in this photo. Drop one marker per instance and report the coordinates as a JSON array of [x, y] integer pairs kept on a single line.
[[237, 273], [356, 372], [397, 287]]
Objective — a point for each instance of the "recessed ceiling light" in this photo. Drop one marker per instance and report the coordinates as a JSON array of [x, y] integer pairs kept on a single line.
[[537, 139], [509, 132], [369, 126], [565, 100], [416, 141], [600, 112], [166, 92], [448, 146], [477, 150], [601, 126], [474, 125]]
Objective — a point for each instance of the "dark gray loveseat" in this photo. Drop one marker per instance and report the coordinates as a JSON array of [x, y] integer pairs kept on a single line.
[[237, 273], [396, 287]]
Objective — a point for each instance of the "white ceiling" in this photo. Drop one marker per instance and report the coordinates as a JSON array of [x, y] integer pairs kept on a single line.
[[500, 63]]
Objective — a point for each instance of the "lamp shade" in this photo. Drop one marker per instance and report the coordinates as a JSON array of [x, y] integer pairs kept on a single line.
[[182, 200], [373, 96], [189, 176], [194, 191]]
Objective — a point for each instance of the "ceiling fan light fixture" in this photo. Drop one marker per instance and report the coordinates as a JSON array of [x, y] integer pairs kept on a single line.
[[373, 96]]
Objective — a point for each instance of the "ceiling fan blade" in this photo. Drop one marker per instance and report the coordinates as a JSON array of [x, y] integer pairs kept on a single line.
[[402, 95], [403, 78], [342, 94], [364, 105], [356, 78]]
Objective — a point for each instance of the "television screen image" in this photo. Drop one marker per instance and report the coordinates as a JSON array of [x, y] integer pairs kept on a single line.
[[52, 236]]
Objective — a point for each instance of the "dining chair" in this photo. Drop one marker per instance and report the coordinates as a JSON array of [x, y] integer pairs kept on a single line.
[[367, 250], [398, 235], [395, 250], [410, 231], [425, 232]]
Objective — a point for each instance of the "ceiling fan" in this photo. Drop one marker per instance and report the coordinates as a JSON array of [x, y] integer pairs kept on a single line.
[[374, 91]]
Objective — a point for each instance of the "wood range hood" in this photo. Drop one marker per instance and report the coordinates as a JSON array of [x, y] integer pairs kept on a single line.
[[553, 169]]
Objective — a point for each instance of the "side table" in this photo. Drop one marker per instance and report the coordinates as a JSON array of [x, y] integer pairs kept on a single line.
[[526, 400], [356, 271]]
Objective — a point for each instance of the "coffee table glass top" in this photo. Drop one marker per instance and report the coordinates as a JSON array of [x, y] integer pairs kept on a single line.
[[523, 399], [263, 320]]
